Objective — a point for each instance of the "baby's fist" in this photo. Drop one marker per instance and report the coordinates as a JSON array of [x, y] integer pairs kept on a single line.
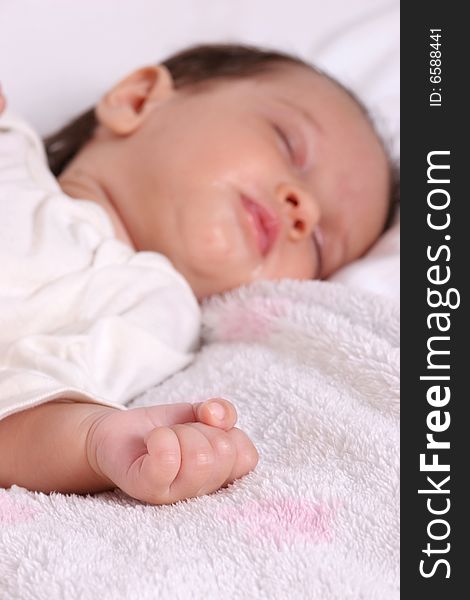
[[162, 454]]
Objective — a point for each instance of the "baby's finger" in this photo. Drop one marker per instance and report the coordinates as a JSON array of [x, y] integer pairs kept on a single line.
[[225, 456], [197, 462], [235, 456], [216, 412], [247, 455], [159, 466], [165, 415], [184, 412]]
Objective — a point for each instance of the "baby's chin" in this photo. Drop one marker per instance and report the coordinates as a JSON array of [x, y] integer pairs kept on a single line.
[[206, 285], [204, 288], [214, 269]]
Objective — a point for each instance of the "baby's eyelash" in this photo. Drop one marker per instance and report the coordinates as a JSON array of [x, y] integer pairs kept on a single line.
[[318, 247], [285, 140], [294, 144]]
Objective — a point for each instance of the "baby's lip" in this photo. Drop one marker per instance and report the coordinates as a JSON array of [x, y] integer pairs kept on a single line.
[[264, 222]]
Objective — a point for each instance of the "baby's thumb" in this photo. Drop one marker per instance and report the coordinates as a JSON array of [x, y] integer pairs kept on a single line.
[[217, 412]]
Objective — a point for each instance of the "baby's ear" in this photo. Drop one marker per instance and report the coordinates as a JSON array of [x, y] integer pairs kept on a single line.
[[126, 106]]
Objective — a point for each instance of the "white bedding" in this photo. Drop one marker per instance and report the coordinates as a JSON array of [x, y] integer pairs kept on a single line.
[[313, 370]]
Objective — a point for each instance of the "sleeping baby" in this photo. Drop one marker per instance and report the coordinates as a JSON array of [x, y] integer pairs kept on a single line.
[[223, 165]]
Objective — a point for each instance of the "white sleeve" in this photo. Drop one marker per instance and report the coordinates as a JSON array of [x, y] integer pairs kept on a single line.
[[82, 316], [22, 155]]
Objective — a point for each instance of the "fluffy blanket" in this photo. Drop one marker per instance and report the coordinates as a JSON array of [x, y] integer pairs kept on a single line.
[[313, 369]]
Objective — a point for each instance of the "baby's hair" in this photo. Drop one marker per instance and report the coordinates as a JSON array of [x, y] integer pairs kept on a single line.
[[196, 68]]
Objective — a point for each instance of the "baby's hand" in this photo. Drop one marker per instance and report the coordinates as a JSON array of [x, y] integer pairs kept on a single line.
[[163, 454]]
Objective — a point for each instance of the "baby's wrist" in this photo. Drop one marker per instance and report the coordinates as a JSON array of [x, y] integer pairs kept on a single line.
[[91, 440]]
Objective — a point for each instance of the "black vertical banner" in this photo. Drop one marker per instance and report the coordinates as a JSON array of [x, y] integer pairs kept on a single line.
[[435, 439]]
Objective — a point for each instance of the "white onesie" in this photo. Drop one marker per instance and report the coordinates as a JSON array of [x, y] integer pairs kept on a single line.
[[82, 316]]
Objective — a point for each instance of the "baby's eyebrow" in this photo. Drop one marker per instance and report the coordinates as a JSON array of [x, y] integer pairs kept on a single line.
[[308, 116]]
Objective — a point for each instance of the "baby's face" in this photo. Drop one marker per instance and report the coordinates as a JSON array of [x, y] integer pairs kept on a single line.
[[189, 181]]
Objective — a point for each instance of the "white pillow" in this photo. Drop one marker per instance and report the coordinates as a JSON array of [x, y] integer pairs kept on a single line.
[[379, 270]]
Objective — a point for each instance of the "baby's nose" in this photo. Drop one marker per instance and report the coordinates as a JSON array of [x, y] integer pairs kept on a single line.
[[300, 209]]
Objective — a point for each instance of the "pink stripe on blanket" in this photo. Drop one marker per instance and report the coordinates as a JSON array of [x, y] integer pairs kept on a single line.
[[12, 512], [255, 321], [284, 520]]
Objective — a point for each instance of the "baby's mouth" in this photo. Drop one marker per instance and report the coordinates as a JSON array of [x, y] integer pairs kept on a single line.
[[264, 223]]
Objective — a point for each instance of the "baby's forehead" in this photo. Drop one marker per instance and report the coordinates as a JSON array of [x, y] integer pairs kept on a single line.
[[308, 88], [276, 74], [313, 81], [295, 80]]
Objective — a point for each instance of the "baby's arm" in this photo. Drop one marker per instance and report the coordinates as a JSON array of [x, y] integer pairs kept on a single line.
[[44, 448], [159, 454]]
